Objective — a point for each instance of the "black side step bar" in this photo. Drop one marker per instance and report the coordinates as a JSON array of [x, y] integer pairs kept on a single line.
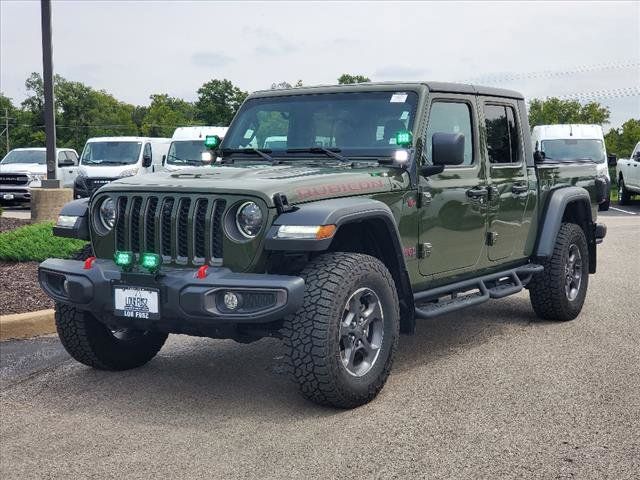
[[430, 303]]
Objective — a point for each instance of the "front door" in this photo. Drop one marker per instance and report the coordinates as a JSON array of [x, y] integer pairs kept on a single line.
[[508, 185], [453, 211]]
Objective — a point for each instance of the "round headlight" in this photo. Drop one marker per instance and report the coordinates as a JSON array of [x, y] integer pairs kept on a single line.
[[249, 219], [107, 213]]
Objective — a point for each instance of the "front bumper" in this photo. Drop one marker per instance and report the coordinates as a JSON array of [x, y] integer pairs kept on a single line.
[[11, 193], [186, 303]]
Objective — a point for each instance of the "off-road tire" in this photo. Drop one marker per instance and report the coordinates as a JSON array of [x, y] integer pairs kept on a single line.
[[312, 335], [547, 288], [91, 342], [624, 196]]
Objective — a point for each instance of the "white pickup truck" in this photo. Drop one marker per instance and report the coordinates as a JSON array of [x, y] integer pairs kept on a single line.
[[628, 175], [23, 168]]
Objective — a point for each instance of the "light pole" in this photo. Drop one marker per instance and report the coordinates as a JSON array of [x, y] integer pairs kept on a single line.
[[48, 200], [49, 106]]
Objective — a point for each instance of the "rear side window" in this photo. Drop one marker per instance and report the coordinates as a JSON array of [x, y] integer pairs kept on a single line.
[[450, 117], [503, 145]]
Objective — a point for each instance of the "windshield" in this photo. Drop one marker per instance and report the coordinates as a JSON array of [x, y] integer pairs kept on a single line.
[[25, 156], [183, 152], [111, 153], [359, 124], [567, 150]]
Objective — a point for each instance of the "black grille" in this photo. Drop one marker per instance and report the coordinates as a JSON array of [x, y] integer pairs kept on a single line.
[[183, 229], [94, 183], [13, 179]]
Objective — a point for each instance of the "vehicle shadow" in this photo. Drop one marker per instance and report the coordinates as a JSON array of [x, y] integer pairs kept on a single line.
[[194, 379]]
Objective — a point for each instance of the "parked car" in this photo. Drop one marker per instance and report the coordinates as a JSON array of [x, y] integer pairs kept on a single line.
[[22, 169], [187, 147], [628, 175], [406, 214], [576, 142], [105, 159]]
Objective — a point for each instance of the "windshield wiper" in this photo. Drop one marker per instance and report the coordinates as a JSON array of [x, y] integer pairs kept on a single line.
[[185, 160], [264, 153], [330, 152]]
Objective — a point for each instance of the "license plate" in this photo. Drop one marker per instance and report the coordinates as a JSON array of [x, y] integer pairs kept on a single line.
[[136, 302], [8, 196]]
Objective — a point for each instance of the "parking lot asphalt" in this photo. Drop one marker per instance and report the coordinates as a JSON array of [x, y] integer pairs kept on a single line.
[[484, 393]]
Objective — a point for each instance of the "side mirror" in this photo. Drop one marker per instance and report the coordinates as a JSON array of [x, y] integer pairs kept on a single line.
[[612, 160], [447, 148], [164, 159], [538, 156], [146, 160]]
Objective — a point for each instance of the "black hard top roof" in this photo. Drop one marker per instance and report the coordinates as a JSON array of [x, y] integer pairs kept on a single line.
[[440, 87]]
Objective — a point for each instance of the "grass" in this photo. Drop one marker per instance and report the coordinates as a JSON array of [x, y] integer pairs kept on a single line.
[[36, 243]]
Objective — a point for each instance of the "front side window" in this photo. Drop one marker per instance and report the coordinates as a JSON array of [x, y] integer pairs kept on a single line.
[[450, 117], [111, 153], [186, 152], [358, 123], [502, 134], [25, 156], [570, 149]]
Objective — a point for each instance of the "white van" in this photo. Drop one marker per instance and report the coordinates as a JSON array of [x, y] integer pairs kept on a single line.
[[565, 143], [105, 159], [22, 169], [187, 147]]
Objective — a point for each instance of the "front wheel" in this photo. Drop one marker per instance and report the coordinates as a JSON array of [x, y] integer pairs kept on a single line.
[[558, 292], [93, 343], [624, 197], [341, 343]]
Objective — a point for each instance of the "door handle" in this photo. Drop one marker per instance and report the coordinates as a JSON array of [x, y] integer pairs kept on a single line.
[[520, 188], [477, 192]]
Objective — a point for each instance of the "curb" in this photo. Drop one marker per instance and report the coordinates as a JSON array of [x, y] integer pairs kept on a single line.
[[24, 325]]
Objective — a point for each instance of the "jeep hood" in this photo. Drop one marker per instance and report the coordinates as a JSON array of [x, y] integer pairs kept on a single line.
[[299, 182]]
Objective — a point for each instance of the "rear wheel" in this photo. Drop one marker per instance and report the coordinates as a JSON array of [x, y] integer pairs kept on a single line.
[[558, 292], [91, 342], [624, 196], [341, 343]]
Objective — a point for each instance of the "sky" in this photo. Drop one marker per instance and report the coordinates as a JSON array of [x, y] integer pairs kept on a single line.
[[134, 49]]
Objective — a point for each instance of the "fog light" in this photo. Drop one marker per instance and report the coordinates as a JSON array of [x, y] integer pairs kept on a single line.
[[150, 261], [123, 259], [231, 300]]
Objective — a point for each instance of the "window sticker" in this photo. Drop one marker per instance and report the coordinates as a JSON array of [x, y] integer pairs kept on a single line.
[[399, 97], [405, 115]]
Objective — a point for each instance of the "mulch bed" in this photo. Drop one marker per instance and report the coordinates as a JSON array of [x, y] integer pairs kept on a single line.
[[7, 224], [19, 288]]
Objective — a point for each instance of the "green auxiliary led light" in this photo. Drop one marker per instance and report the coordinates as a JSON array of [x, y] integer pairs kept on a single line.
[[404, 138], [150, 261], [211, 141], [123, 259]]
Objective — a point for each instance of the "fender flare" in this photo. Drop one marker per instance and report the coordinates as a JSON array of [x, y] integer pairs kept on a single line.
[[80, 230], [339, 212], [554, 213]]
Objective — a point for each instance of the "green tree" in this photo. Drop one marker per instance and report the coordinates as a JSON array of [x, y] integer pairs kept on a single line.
[[621, 141], [556, 111], [218, 101], [81, 112], [165, 114], [346, 78]]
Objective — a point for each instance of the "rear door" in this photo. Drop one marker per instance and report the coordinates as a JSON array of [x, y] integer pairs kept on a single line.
[[508, 187], [453, 212]]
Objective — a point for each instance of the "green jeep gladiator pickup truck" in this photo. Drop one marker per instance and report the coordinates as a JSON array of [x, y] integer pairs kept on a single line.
[[382, 204]]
